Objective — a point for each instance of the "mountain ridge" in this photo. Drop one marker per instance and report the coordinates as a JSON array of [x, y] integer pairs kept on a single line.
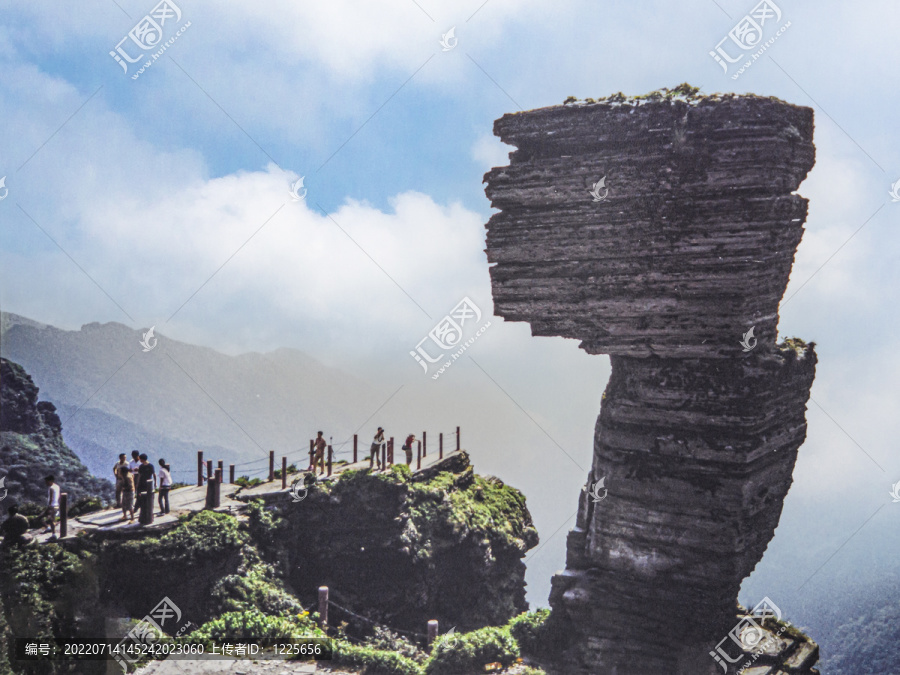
[[178, 398]]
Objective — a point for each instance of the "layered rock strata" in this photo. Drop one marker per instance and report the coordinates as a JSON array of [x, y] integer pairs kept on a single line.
[[665, 264], [692, 240]]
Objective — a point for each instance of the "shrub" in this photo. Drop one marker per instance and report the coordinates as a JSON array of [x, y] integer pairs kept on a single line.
[[265, 526], [373, 661], [42, 587], [247, 482], [401, 471], [291, 469], [470, 652], [86, 505], [254, 625], [210, 545], [528, 630], [253, 586], [386, 640]]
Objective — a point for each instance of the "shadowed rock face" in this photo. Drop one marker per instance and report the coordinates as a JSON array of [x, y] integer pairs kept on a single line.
[[697, 438], [693, 243]]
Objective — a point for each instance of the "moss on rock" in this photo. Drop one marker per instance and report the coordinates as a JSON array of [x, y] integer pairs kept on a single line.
[[405, 548]]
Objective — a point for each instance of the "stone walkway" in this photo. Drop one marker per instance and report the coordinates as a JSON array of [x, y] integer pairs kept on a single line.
[[193, 498]]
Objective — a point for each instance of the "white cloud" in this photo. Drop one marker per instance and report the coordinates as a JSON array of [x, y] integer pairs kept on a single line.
[[490, 151]]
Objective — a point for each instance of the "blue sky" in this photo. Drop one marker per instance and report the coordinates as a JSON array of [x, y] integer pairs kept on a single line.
[[150, 185]]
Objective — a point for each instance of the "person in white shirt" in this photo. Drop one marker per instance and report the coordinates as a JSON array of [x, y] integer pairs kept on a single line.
[[165, 483], [52, 505], [134, 465], [375, 450]]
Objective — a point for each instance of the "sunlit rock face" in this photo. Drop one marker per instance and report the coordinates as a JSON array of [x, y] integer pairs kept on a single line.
[[660, 231]]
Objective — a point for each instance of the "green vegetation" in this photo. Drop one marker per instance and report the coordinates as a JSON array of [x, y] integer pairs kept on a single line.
[[255, 625], [529, 631], [443, 542], [683, 92], [438, 543], [486, 505], [228, 573], [291, 469], [470, 652], [42, 588], [86, 505], [373, 661], [265, 526], [247, 482], [794, 347], [387, 640], [6, 642], [253, 586]]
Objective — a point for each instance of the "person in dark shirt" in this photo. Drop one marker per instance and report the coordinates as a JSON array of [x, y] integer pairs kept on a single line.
[[145, 487], [127, 493], [117, 472], [15, 529], [319, 447]]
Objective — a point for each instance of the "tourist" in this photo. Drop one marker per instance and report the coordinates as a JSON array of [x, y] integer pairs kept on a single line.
[[145, 488], [127, 493], [52, 505], [407, 447], [117, 472], [15, 528], [165, 483], [375, 450], [134, 465], [319, 447]]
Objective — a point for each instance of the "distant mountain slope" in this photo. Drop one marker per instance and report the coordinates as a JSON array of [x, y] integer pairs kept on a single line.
[[96, 436], [31, 446], [178, 398]]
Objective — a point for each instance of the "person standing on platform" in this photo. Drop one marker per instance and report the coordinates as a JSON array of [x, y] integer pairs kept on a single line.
[[52, 505], [320, 445], [117, 472], [375, 450], [407, 448], [127, 493], [133, 466], [145, 488], [165, 483]]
